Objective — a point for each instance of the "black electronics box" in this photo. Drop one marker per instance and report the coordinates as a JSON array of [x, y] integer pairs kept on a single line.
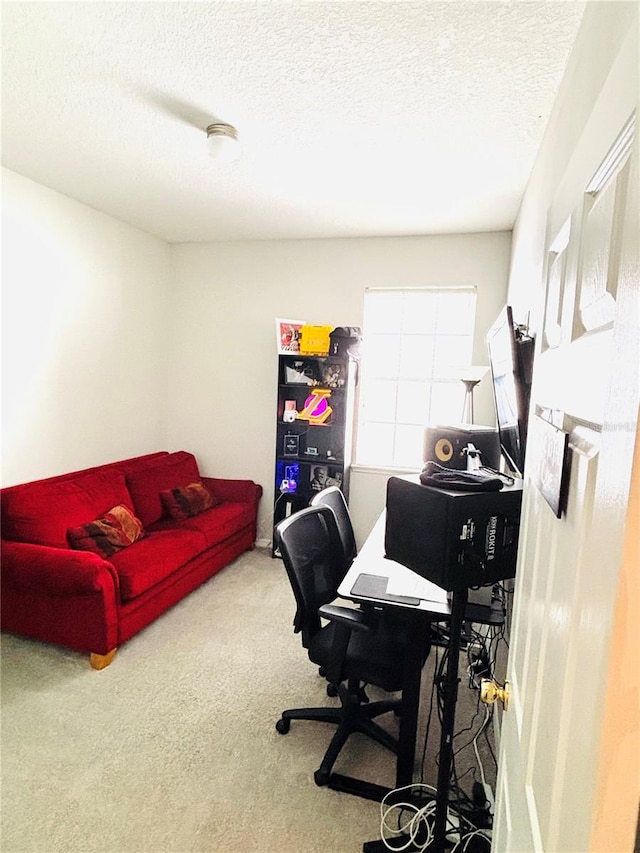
[[344, 341], [446, 445], [454, 539]]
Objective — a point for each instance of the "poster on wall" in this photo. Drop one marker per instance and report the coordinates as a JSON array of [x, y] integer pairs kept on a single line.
[[550, 463], [288, 334]]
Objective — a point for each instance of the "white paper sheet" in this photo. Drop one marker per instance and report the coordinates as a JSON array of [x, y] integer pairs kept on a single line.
[[417, 587]]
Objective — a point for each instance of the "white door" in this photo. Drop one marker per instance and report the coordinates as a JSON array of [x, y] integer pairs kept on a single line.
[[586, 381]]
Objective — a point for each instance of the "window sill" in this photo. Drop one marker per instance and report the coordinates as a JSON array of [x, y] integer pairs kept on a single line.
[[388, 470]]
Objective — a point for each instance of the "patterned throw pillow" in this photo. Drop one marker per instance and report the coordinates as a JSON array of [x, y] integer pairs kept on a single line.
[[114, 531], [187, 501]]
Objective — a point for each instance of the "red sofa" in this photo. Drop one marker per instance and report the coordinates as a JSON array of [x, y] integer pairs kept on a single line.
[[93, 603]]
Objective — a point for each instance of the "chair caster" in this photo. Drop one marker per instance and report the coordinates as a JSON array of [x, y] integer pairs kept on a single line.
[[321, 778], [283, 725], [332, 690]]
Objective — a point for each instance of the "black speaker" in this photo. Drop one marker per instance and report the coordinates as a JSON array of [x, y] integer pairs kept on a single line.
[[445, 445], [454, 539]]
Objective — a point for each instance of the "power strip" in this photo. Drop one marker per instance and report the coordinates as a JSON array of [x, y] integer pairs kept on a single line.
[[484, 803], [489, 796]]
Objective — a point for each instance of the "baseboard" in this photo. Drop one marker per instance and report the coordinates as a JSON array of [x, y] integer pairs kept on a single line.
[[263, 543]]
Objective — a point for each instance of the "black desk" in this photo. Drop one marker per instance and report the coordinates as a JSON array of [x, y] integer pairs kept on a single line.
[[434, 605], [371, 560]]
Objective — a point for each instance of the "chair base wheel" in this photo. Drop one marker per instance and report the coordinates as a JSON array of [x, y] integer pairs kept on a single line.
[[321, 778], [332, 690], [283, 726]]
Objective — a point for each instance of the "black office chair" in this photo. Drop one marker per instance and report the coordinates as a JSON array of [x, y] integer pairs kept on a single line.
[[355, 646], [332, 497]]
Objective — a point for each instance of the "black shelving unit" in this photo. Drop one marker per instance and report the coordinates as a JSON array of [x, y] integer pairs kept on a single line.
[[313, 447]]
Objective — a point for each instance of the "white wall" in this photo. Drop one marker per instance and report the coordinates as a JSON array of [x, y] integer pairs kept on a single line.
[[222, 375], [96, 315], [604, 27], [84, 351]]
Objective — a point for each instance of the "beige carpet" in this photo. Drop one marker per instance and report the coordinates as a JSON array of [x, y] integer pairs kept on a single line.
[[173, 748]]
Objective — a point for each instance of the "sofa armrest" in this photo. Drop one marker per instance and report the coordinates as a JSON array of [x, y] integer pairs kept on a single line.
[[55, 571], [243, 491]]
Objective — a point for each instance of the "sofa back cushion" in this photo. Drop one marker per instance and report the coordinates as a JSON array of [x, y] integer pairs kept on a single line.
[[173, 471], [42, 512], [124, 465]]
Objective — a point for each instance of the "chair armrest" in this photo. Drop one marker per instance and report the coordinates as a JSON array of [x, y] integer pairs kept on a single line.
[[244, 491], [57, 571], [356, 620]]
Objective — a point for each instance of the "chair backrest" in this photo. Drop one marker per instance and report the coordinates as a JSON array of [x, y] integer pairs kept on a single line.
[[333, 498], [311, 551]]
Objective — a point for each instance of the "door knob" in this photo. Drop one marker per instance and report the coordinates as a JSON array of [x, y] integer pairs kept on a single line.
[[490, 691]]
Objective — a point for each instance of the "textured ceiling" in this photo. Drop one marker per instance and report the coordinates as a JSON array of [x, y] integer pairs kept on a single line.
[[355, 118]]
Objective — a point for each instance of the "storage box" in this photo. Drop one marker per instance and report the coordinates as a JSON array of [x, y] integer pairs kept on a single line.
[[315, 340]]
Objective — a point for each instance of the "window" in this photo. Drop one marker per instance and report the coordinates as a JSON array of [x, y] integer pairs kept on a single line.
[[414, 341]]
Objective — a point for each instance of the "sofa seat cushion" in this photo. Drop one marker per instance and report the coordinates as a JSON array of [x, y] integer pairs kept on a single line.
[[153, 558], [170, 472], [41, 513], [216, 524]]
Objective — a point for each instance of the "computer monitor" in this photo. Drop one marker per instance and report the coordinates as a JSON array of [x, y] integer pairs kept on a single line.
[[511, 359]]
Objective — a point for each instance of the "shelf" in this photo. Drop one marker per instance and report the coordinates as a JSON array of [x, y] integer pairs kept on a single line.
[[312, 460], [307, 424], [298, 356], [339, 389], [333, 435]]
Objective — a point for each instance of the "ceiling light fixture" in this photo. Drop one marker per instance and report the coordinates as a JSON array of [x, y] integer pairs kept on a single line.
[[222, 141]]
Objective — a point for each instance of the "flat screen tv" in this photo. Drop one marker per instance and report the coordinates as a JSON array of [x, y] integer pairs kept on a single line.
[[511, 358]]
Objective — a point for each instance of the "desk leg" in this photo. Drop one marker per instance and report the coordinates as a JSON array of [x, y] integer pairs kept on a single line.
[[458, 606], [408, 730], [410, 700]]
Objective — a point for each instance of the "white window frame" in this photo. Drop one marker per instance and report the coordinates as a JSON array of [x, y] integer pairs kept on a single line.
[[395, 442]]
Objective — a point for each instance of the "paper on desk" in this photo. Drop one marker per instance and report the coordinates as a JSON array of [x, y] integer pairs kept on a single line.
[[417, 587]]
